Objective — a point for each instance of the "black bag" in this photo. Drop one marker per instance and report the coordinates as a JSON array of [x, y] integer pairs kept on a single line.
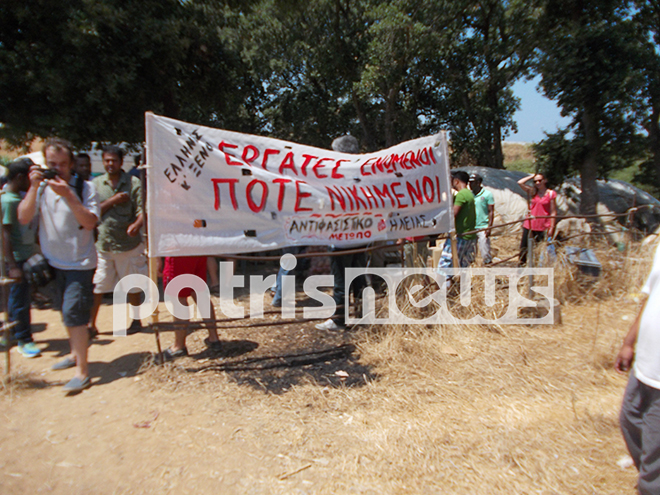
[[37, 271]]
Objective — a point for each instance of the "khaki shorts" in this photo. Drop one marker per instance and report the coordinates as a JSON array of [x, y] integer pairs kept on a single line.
[[112, 267]]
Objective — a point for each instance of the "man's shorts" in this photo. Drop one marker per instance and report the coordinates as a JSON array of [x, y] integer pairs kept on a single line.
[[112, 267], [73, 296]]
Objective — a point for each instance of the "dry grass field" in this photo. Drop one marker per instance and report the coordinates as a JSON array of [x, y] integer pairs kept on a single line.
[[410, 410]]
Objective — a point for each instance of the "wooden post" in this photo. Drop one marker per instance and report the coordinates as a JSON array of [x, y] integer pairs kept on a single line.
[[414, 250], [454, 249], [153, 275], [530, 259]]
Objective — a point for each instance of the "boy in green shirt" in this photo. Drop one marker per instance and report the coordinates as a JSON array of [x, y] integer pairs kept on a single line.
[[19, 246]]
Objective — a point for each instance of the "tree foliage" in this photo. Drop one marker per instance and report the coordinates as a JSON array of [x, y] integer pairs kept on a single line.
[[383, 70], [89, 70], [589, 65]]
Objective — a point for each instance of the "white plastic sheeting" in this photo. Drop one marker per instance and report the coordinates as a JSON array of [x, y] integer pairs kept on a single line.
[[615, 197]]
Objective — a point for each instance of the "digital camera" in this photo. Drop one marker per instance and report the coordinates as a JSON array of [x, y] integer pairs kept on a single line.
[[49, 173]]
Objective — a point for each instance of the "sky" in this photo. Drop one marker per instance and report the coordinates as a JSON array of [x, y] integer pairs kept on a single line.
[[536, 115]]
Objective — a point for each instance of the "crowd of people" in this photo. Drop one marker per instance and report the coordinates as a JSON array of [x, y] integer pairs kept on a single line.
[[89, 232]]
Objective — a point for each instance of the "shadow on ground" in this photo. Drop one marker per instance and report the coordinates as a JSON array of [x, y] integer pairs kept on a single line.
[[123, 367], [334, 366]]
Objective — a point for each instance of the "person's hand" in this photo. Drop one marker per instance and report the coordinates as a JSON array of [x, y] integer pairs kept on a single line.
[[132, 230], [36, 175], [60, 187], [624, 358], [120, 197], [487, 231]]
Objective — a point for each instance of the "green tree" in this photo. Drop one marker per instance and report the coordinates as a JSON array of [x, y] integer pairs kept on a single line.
[[587, 64], [489, 45], [647, 17], [88, 70]]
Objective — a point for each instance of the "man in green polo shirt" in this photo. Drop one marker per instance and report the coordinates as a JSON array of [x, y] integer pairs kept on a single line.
[[464, 220], [119, 245]]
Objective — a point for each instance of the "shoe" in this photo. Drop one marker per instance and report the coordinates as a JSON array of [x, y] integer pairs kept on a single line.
[[214, 346], [76, 385], [329, 325], [171, 355], [214, 290], [276, 304], [92, 332], [136, 327], [66, 363], [29, 350]]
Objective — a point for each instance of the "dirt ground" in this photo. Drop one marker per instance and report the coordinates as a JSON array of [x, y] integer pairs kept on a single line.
[[460, 410]]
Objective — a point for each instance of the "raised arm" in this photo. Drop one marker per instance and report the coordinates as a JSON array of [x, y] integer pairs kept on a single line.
[[27, 208], [523, 184]]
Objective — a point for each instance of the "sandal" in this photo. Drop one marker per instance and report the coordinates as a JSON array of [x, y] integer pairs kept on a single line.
[[171, 355]]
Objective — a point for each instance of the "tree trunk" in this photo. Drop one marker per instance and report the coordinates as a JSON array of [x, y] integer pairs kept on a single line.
[[390, 109], [498, 154], [589, 166], [495, 154], [366, 128]]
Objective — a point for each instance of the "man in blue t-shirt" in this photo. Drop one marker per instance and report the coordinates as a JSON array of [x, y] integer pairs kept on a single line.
[[484, 204]]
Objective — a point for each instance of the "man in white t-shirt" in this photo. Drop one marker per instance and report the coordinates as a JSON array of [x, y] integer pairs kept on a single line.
[[640, 412], [68, 213]]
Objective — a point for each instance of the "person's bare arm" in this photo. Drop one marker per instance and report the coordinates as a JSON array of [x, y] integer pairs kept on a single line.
[[523, 184], [85, 217], [553, 219], [115, 199], [491, 218], [627, 352], [13, 270], [457, 208], [134, 228], [27, 208]]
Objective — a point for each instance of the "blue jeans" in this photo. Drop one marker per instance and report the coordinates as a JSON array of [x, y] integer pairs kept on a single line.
[[18, 309]]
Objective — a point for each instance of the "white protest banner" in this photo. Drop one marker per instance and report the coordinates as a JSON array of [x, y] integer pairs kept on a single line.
[[213, 192]]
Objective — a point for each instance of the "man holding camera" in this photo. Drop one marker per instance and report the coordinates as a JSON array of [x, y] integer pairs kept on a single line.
[[68, 213]]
